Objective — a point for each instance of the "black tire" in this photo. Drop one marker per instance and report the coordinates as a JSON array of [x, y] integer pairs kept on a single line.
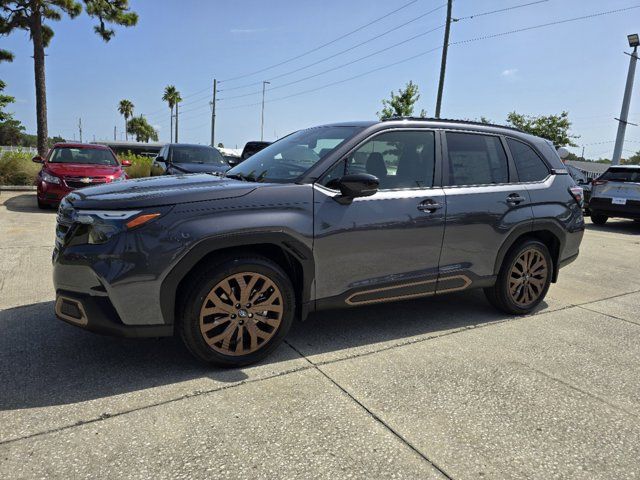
[[194, 299], [598, 218], [499, 295]]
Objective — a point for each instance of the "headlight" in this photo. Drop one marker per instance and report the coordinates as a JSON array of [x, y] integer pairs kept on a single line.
[[98, 226], [47, 177], [120, 178]]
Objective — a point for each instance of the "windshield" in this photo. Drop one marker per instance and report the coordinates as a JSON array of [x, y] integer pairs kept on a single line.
[[288, 158], [92, 156], [196, 154], [621, 175]]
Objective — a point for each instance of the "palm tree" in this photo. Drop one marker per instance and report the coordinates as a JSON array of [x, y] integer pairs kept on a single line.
[[126, 108], [172, 97]]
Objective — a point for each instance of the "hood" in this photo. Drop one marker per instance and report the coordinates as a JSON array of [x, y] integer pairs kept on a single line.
[[158, 191], [82, 169], [196, 168]]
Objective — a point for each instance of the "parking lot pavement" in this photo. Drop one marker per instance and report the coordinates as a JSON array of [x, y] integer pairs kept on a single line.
[[436, 388]]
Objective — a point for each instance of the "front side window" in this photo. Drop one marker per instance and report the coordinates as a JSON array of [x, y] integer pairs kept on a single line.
[[290, 157], [399, 159], [92, 156], [196, 154], [529, 165], [476, 159]]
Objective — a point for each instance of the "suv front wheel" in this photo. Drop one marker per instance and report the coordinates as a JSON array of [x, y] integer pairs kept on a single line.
[[523, 280], [236, 311]]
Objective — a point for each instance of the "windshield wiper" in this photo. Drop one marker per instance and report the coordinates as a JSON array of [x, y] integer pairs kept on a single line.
[[239, 176]]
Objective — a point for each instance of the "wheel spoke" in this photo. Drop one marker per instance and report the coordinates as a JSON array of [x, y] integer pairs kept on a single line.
[[241, 329]]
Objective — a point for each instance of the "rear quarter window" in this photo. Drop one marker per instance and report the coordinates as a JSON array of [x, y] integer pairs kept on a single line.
[[529, 165]]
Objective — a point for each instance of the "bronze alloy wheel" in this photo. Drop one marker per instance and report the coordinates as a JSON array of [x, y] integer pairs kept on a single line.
[[241, 313], [528, 277]]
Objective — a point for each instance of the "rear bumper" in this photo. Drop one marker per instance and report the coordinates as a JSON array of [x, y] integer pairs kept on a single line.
[[603, 206], [97, 315]]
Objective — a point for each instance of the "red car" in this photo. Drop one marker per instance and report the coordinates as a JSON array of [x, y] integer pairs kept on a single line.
[[69, 166]]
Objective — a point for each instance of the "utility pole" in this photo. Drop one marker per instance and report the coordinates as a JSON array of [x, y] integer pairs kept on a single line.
[[80, 128], [213, 113], [582, 156], [176, 136], [626, 100], [443, 64], [264, 84], [115, 133]]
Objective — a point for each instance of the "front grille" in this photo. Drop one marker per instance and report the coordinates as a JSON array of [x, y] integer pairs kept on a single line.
[[81, 182]]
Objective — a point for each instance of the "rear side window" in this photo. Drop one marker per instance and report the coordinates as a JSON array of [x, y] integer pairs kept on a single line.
[[476, 159], [529, 165], [621, 175]]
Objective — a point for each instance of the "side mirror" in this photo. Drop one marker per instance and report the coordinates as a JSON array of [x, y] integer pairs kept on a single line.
[[37, 159], [233, 161], [160, 158], [125, 163], [357, 185]]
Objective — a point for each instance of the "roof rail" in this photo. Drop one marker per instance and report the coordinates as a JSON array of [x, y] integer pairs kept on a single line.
[[453, 120]]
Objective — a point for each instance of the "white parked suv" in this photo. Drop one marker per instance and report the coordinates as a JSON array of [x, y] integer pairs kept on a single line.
[[616, 193]]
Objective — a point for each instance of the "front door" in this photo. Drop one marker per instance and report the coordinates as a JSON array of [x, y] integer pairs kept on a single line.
[[387, 246]]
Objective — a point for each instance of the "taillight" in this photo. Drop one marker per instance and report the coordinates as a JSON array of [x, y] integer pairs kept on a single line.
[[576, 193], [597, 182]]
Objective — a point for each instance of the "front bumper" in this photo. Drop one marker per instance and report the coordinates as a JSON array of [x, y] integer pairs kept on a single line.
[[97, 315], [52, 193], [604, 206]]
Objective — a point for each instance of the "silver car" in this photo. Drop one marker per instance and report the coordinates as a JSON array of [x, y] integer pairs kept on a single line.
[[616, 193]]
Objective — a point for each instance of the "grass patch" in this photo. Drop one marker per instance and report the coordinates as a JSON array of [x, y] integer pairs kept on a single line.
[[16, 168]]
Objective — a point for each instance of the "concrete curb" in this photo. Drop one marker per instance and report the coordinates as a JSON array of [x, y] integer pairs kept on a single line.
[[17, 188]]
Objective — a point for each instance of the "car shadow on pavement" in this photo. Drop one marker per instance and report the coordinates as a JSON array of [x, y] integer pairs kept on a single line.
[[47, 362], [623, 227], [26, 203]]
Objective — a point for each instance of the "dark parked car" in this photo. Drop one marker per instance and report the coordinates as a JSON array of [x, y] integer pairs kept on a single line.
[[69, 166], [616, 193], [582, 181], [179, 158], [251, 148], [335, 216]]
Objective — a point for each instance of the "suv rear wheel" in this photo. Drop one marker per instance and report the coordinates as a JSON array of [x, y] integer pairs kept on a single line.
[[598, 218], [523, 280], [236, 311]]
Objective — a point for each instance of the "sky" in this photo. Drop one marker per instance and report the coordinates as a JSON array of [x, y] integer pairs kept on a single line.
[[577, 66]]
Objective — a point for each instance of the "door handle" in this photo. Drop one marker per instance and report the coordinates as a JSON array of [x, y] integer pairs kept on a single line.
[[515, 199], [429, 206]]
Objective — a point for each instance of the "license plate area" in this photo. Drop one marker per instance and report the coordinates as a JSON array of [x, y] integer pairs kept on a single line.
[[618, 201]]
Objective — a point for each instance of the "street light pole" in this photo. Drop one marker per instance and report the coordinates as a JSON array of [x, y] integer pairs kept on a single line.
[[213, 113], [634, 41], [264, 84]]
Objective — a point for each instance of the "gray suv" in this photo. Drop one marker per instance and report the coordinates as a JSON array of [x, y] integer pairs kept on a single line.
[[616, 193], [334, 216]]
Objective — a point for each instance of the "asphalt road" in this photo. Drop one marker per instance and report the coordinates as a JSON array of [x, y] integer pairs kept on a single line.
[[436, 388]]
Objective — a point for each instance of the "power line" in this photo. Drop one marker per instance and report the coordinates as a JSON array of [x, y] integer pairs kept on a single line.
[[491, 12], [484, 37], [331, 42]]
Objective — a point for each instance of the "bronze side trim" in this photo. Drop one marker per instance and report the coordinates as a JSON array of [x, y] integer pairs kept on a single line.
[[83, 320], [466, 280]]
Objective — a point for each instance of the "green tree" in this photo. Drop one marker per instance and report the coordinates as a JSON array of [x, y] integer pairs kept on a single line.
[[402, 103], [10, 129], [552, 127], [143, 132], [125, 108], [32, 16], [633, 159], [172, 97], [220, 145]]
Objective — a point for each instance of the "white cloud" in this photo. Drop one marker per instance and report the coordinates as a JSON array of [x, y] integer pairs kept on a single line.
[[509, 73]]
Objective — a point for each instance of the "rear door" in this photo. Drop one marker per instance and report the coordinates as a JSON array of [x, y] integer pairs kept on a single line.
[[484, 204]]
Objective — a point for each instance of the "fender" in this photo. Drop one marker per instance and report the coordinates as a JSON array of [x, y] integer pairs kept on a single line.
[[290, 245], [536, 225]]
